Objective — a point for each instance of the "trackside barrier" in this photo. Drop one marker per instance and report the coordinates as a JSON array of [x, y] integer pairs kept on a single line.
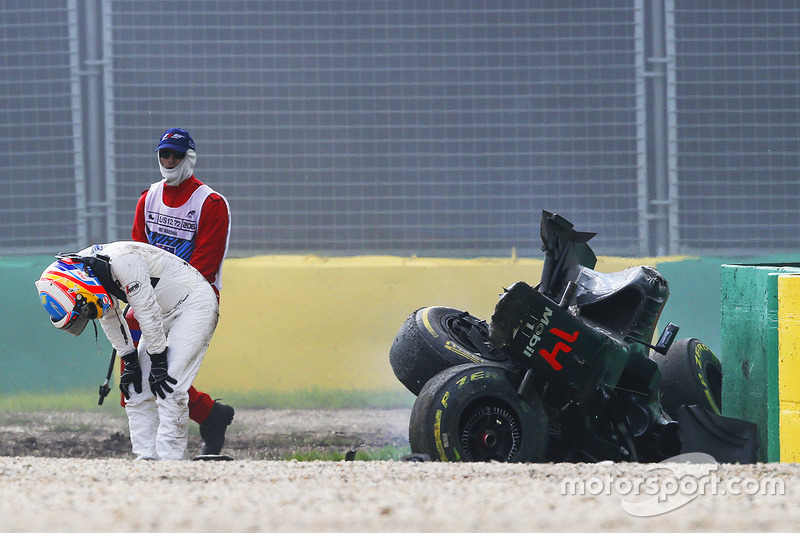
[[760, 306], [789, 366], [293, 323]]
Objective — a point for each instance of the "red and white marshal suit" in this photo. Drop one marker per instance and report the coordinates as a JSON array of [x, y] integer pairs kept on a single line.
[[193, 221]]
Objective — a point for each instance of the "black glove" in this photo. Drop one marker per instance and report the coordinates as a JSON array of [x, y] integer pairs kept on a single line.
[[132, 374], [159, 378]]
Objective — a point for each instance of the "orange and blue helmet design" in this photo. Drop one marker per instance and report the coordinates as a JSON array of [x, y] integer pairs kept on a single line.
[[72, 295]]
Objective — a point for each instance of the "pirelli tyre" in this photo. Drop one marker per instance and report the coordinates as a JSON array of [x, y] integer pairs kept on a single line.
[[433, 339], [691, 374], [472, 413]]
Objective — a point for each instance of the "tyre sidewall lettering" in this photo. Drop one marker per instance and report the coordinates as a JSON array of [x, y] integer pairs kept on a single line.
[[446, 445], [688, 372], [427, 345], [702, 354], [438, 417], [458, 350], [437, 434], [438, 337]]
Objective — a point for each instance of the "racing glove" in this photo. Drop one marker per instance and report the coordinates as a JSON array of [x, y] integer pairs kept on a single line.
[[159, 379], [131, 374]]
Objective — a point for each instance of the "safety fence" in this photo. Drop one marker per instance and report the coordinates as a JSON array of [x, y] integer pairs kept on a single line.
[[430, 128]]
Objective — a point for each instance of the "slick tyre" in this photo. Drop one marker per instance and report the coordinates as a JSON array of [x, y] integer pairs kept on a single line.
[[472, 413], [690, 375], [433, 339]]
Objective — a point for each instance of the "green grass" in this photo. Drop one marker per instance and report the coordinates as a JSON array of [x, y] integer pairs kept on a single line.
[[86, 400], [62, 401], [321, 399], [387, 453]]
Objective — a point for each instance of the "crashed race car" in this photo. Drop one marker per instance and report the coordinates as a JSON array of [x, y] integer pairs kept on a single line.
[[565, 371]]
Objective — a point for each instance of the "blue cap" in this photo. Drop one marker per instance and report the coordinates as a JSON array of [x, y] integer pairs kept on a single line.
[[178, 139]]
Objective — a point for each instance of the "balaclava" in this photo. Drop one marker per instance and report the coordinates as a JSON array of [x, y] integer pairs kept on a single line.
[[179, 140]]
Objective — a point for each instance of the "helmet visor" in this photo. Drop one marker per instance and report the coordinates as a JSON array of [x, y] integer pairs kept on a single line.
[[77, 321]]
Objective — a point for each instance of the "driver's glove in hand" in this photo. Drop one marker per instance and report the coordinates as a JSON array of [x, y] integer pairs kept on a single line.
[[131, 374], [159, 379]]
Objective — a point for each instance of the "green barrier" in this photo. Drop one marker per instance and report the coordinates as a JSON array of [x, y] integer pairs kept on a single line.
[[694, 298], [34, 356], [749, 326]]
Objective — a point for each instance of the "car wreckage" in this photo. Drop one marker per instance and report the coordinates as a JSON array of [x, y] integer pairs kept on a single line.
[[565, 371]]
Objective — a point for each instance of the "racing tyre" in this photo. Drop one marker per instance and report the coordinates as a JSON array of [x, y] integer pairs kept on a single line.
[[433, 339], [690, 375], [472, 413]]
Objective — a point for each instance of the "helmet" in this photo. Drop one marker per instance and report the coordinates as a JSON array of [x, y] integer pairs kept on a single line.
[[72, 295]]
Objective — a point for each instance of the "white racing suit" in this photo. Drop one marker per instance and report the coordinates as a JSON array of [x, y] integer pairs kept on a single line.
[[176, 309]]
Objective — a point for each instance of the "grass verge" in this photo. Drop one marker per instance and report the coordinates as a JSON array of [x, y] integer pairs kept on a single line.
[[387, 453], [86, 400]]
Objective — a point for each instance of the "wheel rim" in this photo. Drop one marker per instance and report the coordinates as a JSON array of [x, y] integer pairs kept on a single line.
[[490, 433], [461, 328]]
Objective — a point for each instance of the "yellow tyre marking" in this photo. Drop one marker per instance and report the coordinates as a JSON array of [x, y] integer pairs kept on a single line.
[[455, 348], [427, 322], [437, 435], [706, 389]]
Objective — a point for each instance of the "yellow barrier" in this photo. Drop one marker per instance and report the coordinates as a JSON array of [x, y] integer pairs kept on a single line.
[[299, 322], [789, 367]]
